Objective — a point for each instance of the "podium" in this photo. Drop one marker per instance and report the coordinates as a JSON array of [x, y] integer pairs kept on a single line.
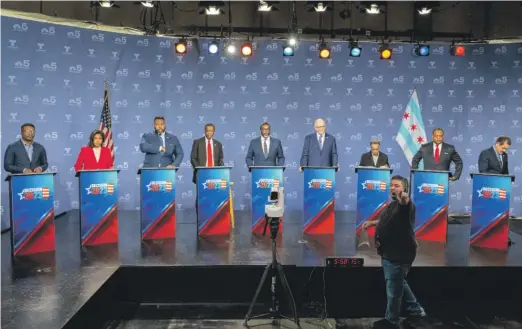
[[263, 179], [373, 195], [490, 211], [319, 200], [157, 203], [98, 206], [430, 194], [31, 197], [213, 200]]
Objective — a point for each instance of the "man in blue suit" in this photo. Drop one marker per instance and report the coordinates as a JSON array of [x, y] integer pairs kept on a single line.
[[25, 155], [494, 160], [265, 150], [320, 148], [161, 148]]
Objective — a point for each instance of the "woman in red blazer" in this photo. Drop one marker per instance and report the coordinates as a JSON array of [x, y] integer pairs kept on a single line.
[[94, 156]]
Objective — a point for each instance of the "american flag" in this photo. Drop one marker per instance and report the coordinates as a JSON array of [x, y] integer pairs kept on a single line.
[[45, 193], [502, 193], [328, 184], [105, 123], [168, 186], [223, 183], [110, 188]]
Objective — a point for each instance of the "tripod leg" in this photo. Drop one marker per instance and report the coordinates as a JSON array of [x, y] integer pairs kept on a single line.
[[263, 278], [289, 296]]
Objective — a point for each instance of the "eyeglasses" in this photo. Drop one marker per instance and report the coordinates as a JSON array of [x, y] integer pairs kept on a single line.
[[320, 126]]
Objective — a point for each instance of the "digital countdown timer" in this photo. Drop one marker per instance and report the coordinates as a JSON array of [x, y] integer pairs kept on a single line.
[[344, 262]]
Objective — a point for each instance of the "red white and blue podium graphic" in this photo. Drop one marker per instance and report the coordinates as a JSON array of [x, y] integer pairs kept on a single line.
[[213, 200], [319, 200], [264, 178], [373, 195], [490, 211], [158, 203], [98, 206], [32, 213], [431, 197]]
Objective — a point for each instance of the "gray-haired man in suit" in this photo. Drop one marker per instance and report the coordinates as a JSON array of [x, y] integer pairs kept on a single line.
[[25, 155], [438, 155]]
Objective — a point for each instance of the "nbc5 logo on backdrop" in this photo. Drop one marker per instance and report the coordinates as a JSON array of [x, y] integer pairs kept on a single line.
[[24, 64], [20, 27], [51, 136], [78, 136], [48, 30]]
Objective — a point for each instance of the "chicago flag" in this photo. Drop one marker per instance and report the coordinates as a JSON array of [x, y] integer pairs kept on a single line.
[[411, 133]]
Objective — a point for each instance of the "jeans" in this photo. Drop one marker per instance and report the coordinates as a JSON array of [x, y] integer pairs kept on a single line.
[[398, 291]]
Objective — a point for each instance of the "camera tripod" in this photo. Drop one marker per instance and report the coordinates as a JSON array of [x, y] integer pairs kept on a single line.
[[277, 269]]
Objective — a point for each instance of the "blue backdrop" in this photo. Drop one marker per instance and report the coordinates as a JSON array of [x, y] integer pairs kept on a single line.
[[54, 76]]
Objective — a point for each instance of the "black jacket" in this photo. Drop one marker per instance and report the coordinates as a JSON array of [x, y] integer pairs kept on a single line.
[[394, 233], [367, 160]]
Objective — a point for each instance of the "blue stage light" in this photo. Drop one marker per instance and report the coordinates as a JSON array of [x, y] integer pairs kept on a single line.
[[424, 50], [288, 51], [355, 52]]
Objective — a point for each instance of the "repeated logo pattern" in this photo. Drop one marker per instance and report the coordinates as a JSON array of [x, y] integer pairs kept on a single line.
[[54, 76]]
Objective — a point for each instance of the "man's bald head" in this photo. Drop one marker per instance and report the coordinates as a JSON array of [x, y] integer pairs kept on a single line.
[[320, 126]]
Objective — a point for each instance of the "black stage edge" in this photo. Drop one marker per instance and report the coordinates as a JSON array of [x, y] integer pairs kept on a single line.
[[225, 292]]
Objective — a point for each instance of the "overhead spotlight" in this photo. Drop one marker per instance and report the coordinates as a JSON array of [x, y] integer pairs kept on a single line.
[[181, 47], [231, 48], [288, 51], [426, 7], [106, 4], [213, 47], [318, 6], [212, 8], [324, 51], [373, 9], [246, 49], [355, 50], [457, 50], [385, 52], [148, 4], [292, 41], [265, 6], [422, 50]]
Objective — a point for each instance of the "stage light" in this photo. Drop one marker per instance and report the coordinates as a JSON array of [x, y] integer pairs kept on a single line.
[[386, 53], [355, 50], [324, 51], [181, 47], [457, 50], [213, 47], [288, 51], [231, 48], [422, 50], [292, 41], [246, 49]]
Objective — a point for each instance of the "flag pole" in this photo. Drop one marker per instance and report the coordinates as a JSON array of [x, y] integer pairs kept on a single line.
[[232, 219]]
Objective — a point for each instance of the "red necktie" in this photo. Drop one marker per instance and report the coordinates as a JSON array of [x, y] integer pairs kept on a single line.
[[437, 154], [209, 154]]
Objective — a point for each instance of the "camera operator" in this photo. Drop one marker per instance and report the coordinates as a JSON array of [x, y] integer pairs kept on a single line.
[[396, 244]]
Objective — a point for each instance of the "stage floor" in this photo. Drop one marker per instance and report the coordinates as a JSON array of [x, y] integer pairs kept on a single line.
[[47, 295]]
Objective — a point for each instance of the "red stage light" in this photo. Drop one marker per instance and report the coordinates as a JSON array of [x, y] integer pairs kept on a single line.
[[457, 50]]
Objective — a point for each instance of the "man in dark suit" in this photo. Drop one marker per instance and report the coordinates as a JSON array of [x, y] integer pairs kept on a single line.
[[494, 160], [25, 155], [206, 151], [319, 148], [438, 155], [374, 158], [265, 150], [161, 148]]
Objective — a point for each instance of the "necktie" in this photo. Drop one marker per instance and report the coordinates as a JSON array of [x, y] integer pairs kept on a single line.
[[321, 142], [209, 154], [265, 148], [437, 154], [500, 160]]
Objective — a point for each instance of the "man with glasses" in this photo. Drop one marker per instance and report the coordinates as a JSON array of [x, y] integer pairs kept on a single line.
[[25, 155], [265, 150], [320, 148]]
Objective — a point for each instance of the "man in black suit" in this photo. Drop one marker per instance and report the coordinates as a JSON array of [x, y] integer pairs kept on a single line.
[[25, 155], [494, 160], [206, 151], [374, 158], [438, 155]]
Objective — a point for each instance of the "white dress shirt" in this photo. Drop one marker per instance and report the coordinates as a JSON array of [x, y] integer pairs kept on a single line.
[[162, 136], [267, 144]]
